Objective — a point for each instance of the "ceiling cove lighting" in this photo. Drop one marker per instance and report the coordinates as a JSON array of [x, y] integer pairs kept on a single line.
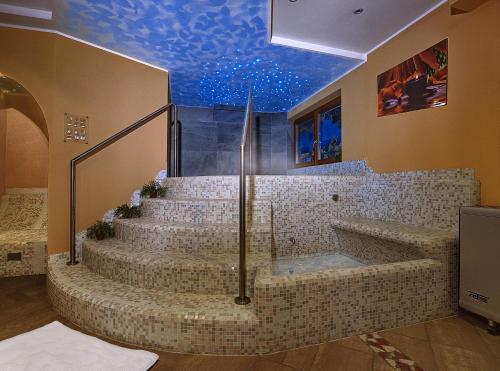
[[26, 12]]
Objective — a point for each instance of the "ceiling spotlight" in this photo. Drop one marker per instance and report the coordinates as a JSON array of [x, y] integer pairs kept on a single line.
[[292, 1], [358, 11]]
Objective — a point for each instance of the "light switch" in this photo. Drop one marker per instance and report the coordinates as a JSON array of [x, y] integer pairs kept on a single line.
[[76, 128]]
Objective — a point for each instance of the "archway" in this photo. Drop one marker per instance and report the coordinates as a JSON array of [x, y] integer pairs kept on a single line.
[[24, 158]]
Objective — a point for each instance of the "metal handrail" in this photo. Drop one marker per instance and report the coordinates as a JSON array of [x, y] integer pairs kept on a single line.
[[243, 299], [99, 147]]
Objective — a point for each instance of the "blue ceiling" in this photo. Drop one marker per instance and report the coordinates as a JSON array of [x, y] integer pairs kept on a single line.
[[214, 49]]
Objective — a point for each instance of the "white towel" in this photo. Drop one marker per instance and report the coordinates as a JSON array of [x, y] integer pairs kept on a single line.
[[55, 347]]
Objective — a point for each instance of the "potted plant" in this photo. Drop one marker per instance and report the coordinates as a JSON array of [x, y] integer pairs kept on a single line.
[[153, 189], [128, 212], [100, 230]]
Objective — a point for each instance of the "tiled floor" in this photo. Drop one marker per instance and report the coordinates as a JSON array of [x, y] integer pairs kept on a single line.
[[454, 343]]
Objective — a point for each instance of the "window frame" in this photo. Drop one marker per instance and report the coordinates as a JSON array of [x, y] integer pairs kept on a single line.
[[337, 102]]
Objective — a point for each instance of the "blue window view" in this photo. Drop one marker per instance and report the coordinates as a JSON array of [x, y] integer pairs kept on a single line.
[[304, 146], [330, 134]]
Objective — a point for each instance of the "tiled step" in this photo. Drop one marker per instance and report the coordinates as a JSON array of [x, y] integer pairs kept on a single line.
[[193, 237], [155, 318], [202, 187], [205, 210], [175, 271]]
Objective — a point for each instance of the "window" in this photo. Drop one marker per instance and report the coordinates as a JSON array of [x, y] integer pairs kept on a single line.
[[318, 136]]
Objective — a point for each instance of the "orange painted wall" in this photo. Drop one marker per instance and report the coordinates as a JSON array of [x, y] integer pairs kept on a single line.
[[465, 133], [67, 76], [27, 153]]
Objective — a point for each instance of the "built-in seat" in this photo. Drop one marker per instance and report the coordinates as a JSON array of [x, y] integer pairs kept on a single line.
[[23, 232], [418, 236]]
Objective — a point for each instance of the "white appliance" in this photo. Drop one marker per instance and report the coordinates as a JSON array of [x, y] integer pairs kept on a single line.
[[480, 263]]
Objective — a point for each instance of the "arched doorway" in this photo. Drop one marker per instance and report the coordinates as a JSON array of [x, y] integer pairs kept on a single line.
[[24, 149]]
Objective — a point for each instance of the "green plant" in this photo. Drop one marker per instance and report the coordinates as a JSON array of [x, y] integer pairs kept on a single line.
[[128, 212], [153, 189], [100, 230]]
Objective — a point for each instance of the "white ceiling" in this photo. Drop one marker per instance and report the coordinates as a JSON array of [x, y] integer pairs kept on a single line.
[[330, 25]]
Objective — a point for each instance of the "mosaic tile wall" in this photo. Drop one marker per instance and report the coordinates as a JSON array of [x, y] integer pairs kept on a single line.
[[340, 168], [178, 294], [23, 229], [303, 205]]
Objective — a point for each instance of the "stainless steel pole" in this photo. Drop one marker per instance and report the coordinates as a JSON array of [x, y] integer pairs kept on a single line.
[[72, 217], [243, 299], [176, 145]]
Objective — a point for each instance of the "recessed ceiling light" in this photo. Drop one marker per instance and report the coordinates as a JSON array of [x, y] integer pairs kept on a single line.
[[292, 1], [358, 11]]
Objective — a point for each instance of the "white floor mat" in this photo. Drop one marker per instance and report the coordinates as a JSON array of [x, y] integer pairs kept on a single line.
[[56, 347]]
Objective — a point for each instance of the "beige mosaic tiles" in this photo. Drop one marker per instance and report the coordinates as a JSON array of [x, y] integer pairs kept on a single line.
[[316, 307], [407, 261], [175, 271], [191, 323], [195, 237], [417, 236], [23, 229], [303, 205], [33, 258], [223, 211], [287, 311]]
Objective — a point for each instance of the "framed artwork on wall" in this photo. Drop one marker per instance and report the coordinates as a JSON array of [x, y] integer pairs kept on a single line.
[[417, 83]]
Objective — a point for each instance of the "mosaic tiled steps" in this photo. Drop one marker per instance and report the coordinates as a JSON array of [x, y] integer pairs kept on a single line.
[[156, 318], [225, 211], [194, 237], [175, 271]]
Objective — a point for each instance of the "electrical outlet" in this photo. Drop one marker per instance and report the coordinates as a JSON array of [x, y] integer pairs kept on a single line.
[[14, 256]]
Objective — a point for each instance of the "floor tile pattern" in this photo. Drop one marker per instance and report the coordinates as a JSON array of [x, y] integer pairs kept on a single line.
[[393, 356]]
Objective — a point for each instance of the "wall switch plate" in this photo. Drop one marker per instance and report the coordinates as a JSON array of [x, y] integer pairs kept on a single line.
[[76, 128], [14, 256]]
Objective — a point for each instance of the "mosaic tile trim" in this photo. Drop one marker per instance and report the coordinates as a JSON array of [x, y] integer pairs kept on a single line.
[[176, 271], [392, 355]]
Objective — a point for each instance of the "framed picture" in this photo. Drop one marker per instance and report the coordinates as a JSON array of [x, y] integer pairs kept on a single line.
[[418, 83]]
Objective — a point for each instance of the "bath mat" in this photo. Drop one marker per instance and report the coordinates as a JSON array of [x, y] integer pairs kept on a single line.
[[392, 355], [56, 347]]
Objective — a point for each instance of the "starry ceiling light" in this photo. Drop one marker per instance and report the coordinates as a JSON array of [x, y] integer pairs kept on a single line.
[[214, 49]]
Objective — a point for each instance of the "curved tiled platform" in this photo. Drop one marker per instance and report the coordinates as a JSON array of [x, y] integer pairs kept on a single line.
[[176, 271], [214, 237], [167, 280], [154, 318]]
